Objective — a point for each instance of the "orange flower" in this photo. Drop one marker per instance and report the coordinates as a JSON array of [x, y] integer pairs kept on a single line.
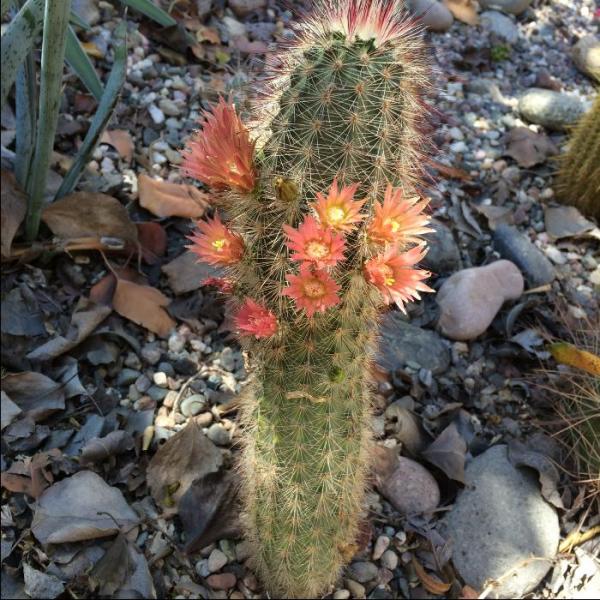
[[312, 290], [215, 244], [392, 274], [221, 154], [398, 220], [339, 210], [254, 319], [315, 244]]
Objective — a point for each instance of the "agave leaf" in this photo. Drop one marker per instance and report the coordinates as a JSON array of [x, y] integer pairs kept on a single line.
[[77, 20], [17, 42], [103, 113], [56, 21], [26, 114], [80, 63], [146, 7]]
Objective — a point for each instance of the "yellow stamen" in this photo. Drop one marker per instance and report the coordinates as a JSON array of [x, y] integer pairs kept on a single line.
[[316, 249], [314, 288], [336, 214], [218, 245]]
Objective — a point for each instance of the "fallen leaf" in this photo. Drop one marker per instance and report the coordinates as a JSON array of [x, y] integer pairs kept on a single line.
[[209, 511], [111, 571], [432, 584], [35, 394], [31, 476], [447, 452], [184, 458], [92, 50], [186, 273], [567, 354], [527, 147], [139, 584], [80, 507], [99, 449], [405, 427], [165, 199], [41, 585], [530, 339], [520, 455], [143, 305], [90, 214], [495, 215], [13, 208], [464, 10], [9, 410], [121, 141], [565, 221], [451, 172], [86, 317], [21, 315], [68, 375], [153, 241], [207, 34]]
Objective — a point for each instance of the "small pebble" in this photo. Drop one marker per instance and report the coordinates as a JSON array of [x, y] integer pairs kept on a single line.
[[218, 434], [216, 561], [381, 545]]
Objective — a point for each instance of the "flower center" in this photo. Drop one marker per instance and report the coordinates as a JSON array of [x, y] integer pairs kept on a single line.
[[393, 224], [316, 249], [313, 288], [388, 275], [218, 245], [336, 214]]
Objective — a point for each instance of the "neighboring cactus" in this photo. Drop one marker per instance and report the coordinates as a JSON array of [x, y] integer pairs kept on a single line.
[[578, 181], [310, 266]]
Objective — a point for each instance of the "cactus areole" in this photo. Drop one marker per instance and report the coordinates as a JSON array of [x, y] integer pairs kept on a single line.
[[321, 229]]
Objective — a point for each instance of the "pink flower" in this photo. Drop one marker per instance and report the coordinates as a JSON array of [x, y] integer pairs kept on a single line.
[[254, 319], [215, 244], [312, 290], [392, 273], [221, 154], [315, 244], [398, 220], [339, 210]]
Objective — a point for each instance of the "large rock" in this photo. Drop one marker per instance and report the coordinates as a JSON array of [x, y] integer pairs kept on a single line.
[[516, 247], [471, 298], [554, 110], [401, 342], [501, 25], [500, 525], [443, 255], [434, 14], [586, 56], [513, 7]]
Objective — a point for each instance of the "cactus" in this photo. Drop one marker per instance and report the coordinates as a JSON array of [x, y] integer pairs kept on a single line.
[[578, 181], [323, 225]]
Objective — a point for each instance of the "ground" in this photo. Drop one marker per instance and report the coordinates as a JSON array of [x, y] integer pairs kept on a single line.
[[106, 359]]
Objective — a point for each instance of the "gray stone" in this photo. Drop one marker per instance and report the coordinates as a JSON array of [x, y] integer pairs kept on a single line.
[[516, 247], [192, 405], [381, 545], [356, 589], [169, 107], [151, 353], [554, 110], [127, 377], [501, 25], [157, 393], [402, 342], [389, 560], [242, 8], [471, 298], [586, 56], [411, 488], [216, 561], [341, 595], [434, 14], [514, 7], [443, 255], [363, 571], [87, 10], [501, 524], [218, 434], [41, 585], [203, 7]]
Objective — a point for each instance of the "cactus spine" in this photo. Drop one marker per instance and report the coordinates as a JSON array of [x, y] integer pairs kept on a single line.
[[344, 125], [578, 180]]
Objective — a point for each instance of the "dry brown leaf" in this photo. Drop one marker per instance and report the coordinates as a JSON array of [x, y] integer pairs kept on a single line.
[[447, 452], [153, 241], [527, 147], [165, 199], [13, 209], [496, 215], [35, 394], [452, 172], [143, 305], [432, 584], [88, 214], [464, 10], [121, 141], [92, 50]]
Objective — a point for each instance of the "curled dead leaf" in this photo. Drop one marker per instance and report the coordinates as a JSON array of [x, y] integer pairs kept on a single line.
[[527, 147], [432, 584], [165, 199]]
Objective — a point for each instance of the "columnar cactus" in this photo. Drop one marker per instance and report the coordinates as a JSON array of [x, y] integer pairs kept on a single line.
[[578, 180], [323, 225]]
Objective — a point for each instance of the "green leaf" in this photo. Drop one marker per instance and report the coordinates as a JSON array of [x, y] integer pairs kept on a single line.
[[17, 41], [77, 20], [148, 8], [4, 7], [56, 22], [80, 62], [103, 113], [26, 115]]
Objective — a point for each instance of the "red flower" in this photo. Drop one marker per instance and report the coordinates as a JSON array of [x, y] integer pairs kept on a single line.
[[315, 244], [398, 220], [215, 244], [392, 274], [225, 286], [339, 210], [221, 154], [254, 319], [312, 290]]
